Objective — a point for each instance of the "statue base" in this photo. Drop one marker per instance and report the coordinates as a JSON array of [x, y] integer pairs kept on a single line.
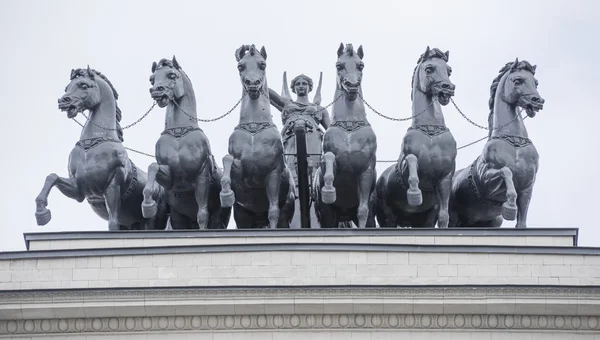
[[295, 283]]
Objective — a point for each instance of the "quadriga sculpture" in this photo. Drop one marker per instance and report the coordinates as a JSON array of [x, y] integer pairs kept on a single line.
[[256, 180], [346, 179], [185, 165], [499, 183], [99, 168], [415, 191], [313, 116]]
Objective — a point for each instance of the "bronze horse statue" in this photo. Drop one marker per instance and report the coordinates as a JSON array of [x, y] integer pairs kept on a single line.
[[345, 181], [415, 191], [499, 183], [256, 180], [99, 168], [185, 165], [313, 116]]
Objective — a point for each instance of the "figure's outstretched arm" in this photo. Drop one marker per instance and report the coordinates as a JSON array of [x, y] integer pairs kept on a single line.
[[325, 120], [317, 99], [277, 100]]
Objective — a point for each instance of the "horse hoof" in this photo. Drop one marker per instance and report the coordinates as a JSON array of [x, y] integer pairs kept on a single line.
[[509, 211], [328, 195], [43, 217], [149, 210], [227, 198], [414, 197]]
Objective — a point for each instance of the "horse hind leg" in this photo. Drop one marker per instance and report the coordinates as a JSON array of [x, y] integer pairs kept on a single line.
[[67, 186], [509, 208], [365, 188], [442, 191], [413, 194], [201, 193], [112, 197], [227, 195], [328, 194]]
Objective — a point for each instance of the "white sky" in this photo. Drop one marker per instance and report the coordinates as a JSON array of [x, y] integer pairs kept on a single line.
[[43, 40]]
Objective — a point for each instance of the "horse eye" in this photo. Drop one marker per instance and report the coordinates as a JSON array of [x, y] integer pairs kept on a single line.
[[240, 68], [172, 75], [84, 86], [263, 66], [517, 81], [339, 67], [360, 67]]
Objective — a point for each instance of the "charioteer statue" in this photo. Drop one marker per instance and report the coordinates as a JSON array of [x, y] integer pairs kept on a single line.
[[315, 119]]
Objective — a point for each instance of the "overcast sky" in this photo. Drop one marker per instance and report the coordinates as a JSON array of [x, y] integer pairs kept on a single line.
[[43, 40]]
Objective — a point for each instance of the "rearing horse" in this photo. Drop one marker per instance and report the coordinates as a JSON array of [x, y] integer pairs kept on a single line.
[[499, 183], [263, 187], [415, 191], [346, 179], [185, 166], [99, 168]]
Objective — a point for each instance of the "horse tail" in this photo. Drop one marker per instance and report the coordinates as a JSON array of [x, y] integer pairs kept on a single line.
[[119, 128]]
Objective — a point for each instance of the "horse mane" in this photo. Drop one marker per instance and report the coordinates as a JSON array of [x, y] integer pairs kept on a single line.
[[85, 73], [522, 65], [428, 54]]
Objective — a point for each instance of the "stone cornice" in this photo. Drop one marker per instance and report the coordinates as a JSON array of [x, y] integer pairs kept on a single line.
[[279, 322]]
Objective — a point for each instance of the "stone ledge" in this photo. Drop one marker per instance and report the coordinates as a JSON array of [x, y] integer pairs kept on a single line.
[[279, 247], [476, 236]]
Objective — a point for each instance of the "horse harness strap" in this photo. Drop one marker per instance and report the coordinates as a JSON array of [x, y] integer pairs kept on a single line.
[[178, 132], [516, 141], [430, 130], [350, 125], [254, 127], [475, 189], [90, 143]]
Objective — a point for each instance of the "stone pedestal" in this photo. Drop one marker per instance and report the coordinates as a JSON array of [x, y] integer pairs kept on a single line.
[[296, 284]]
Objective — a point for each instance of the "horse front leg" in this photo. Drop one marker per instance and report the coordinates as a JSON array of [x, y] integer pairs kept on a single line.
[[162, 174], [413, 194], [112, 198], [442, 191], [365, 185], [67, 186], [227, 195], [328, 194], [201, 192], [273, 187], [523, 200], [509, 208]]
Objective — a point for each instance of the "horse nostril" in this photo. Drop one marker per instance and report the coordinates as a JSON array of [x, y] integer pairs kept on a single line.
[[66, 99], [160, 88], [247, 82], [535, 99], [257, 82], [445, 86]]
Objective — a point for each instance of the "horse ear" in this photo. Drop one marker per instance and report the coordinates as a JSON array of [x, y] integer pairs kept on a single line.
[[263, 52], [73, 73], [515, 64], [340, 50], [447, 55], [360, 52], [534, 67], [239, 53], [90, 73], [154, 66], [175, 63], [427, 50]]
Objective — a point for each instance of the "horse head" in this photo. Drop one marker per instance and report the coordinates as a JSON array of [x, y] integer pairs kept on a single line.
[[252, 65], [167, 81], [433, 74], [82, 93], [349, 70], [301, 85], [520, 87]]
